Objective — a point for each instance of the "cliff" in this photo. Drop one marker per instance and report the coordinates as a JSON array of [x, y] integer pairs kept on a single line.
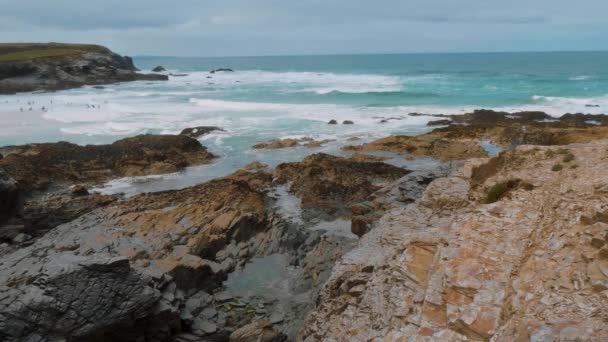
[[54, 66]]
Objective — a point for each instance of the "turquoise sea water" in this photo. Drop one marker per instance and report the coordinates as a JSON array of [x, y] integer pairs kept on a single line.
[[277, 97]]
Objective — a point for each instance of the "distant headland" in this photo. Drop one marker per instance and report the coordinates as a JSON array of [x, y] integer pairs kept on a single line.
[[26, 67]]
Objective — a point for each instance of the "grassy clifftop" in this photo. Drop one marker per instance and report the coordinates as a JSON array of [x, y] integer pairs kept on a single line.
[[12, 52]]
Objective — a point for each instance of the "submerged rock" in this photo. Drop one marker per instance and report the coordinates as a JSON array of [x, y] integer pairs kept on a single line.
[[196, 132], [291, 142], [159, 68], [332, 122], [347, 122]]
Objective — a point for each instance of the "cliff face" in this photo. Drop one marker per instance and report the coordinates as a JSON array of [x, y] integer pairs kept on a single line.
[[532, 265], [54, 66]]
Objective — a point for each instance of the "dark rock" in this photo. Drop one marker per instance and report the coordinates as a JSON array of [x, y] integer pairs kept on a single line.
[[36, 166], [79, 190], [178, 75], [334, 184], [333, 122], [31, 70], [439, 122], [347, 122], [221, 70], [195, 132], [592, 105], [9, 196], [159, 68]]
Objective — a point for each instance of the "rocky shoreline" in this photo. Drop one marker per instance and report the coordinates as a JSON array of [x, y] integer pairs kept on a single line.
[[54, 66], [329, 248]]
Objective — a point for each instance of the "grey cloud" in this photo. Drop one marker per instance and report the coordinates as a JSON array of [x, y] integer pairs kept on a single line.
[[237, 27]]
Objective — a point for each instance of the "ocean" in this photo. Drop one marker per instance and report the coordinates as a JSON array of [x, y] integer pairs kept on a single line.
[[295, 96]]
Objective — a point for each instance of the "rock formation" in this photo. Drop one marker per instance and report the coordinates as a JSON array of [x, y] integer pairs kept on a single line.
[[54, 66], [450, 267]]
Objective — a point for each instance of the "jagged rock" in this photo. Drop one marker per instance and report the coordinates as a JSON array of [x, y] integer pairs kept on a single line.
[[259, 331], [291, 142], [199, 131], [439, 122], [254, 166], [452, 268], [362, 157], [333, 183], [36, 166], [425, 145], [120, 272], [9, 196], [71, 296], [53, 66], [159, 68]]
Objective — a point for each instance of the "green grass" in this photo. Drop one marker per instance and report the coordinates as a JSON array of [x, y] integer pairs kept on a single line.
[[34, 54]]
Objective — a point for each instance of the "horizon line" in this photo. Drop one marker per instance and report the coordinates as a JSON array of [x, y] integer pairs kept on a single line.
[[373, 54]]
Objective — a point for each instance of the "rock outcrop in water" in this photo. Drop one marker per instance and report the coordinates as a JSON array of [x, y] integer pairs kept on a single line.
[[37, 166], [531, 266], [333, 184], [35, 179], [54, 66]]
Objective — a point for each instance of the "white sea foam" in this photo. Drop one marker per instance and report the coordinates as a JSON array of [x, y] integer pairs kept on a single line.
[[582, 78], [315, 82]]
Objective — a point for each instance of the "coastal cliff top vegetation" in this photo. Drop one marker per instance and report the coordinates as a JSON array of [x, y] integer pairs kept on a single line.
[[13, 52]]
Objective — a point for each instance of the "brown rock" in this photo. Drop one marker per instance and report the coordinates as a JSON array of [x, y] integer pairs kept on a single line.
[[259, 331], [334, 183], [36, 166]]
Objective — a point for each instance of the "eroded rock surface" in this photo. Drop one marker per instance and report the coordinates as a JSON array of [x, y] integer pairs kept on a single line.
[[450, 267], [36, 166], [291, 142], [333, 183]]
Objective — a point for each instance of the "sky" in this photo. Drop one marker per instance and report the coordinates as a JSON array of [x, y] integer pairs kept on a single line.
[[292, 27]]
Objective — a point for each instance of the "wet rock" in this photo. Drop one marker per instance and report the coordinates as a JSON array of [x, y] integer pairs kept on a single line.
[[221, 70], [332, 122], [159, 68], [9, 196], [36, 166], [196, 132], [79, 190], [439, 122], [291, 142], [362, 157], [254, 166], [425, 145], [259, 331], [347, 122], [333, 183]]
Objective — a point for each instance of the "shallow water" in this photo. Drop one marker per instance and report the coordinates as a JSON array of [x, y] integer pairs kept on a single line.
[[278, 97]]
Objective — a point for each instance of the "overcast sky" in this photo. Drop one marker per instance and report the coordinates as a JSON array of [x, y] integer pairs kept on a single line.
[[279, 27]]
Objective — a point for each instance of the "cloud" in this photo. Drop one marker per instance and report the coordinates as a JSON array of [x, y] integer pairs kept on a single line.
[[239, 27]]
